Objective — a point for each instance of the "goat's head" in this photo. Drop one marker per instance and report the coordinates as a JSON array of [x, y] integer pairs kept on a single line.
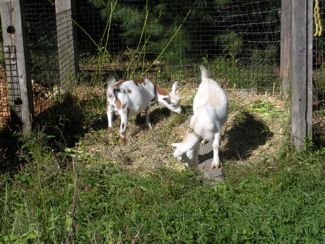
[[187, 150], [170, 100], [185, 157]]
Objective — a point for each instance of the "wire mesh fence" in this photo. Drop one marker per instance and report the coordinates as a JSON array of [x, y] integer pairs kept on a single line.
[[319, 75], [318, 57], [235, 37], [41, 35], [239, 40]]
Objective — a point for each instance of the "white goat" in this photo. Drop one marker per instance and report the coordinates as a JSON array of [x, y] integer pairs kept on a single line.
[[131, 97], [210, 112]]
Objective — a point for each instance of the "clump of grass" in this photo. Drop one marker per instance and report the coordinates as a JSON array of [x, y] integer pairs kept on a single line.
[[265, 109]]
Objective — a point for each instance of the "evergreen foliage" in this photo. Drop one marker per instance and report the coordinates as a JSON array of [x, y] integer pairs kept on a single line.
[[211, 28]]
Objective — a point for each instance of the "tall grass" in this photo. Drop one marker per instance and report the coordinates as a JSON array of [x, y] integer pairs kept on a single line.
[[135, 57]]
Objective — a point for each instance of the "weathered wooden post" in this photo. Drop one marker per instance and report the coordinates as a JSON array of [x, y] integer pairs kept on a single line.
[[301, 71], [285, 54], [67, 48], [16, 63]]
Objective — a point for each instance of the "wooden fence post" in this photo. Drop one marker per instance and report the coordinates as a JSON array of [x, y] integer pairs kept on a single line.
[[285, 54], [17, 69], [67, 48], [301, 71]]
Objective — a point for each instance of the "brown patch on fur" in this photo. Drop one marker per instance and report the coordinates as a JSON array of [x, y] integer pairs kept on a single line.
[[161, 91], [118, 103], [129, 91], [118, 83], [139, 81]]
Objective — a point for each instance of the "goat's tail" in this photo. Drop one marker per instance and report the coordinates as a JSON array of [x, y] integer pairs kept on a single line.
[[204, 72], [110, 83]]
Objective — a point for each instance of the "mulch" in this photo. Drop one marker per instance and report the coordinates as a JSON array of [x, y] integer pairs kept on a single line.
[[4, 103]]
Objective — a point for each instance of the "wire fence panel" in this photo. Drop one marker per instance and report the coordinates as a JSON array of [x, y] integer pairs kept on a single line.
[[318, 56], [319, 74], [10, 59], [239, 37], [42, 45]]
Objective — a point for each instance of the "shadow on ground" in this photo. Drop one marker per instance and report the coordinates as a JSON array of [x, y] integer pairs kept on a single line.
[[63, 122], [245, 135], [10, 144], [156, 115]]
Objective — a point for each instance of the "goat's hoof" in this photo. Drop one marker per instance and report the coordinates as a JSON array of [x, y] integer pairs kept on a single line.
[[123, 141], [109, 131]]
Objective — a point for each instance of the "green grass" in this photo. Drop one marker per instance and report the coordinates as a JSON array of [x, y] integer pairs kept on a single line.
[[279, 200], [241, 75]]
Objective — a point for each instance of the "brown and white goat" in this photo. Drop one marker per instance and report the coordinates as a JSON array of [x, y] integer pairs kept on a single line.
[[131, 97], [210, 112]]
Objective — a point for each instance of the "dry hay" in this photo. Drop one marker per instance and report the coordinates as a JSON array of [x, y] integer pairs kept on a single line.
[[248, 136], [43, 97]]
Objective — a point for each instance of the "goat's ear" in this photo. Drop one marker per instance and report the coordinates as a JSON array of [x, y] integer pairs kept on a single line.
[[167, 100], [174, 87]]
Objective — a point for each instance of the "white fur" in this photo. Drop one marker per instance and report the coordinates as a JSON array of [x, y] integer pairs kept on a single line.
[[131, 98], [210, 108]]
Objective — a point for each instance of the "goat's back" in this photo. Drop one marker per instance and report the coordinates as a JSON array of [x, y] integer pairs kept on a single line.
[[136, 96], [210, 96]]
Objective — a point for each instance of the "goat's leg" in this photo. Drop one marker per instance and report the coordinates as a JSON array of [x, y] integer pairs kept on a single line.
[[147, 118], [124, 123], [216, 143], [110, 112]]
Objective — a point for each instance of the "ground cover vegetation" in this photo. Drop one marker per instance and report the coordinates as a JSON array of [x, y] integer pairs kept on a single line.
[[79, 184], [68, 181]]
